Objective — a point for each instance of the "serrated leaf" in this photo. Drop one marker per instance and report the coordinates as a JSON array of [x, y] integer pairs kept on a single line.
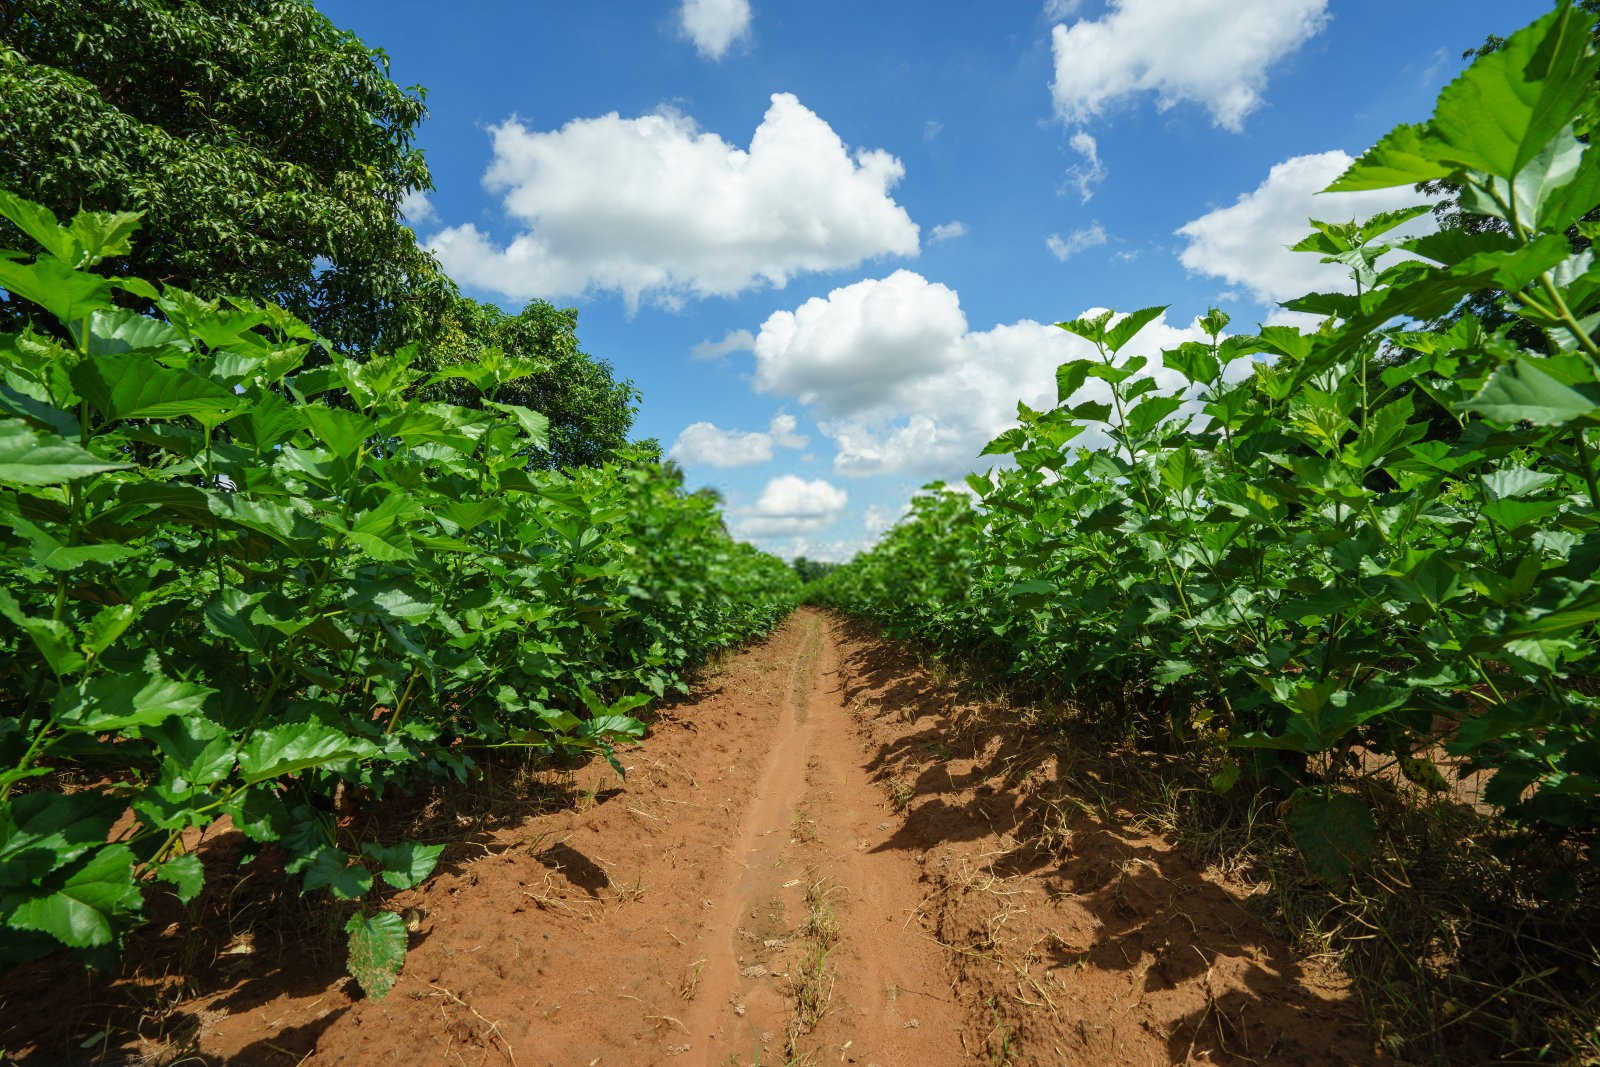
[[39, 223], [405, 865], [331, 869], [136, 387], [533, 424], [1405, 156], [42, 831], [342, 431], [294, 747], [1336, 834], [118, 330], [68, 294], [118, 701], [1510, 103], [186, 874], [377, 951], [37, 457], [91, 906], [1522, 390], [1129, 325]]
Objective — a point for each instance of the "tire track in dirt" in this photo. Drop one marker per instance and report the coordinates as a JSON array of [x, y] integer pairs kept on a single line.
[[815, 953], [736, 1005]]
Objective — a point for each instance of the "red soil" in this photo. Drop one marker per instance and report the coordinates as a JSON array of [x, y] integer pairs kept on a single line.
[[820, 797]]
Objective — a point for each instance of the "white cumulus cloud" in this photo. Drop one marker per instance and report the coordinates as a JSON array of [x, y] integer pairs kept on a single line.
[[417, 208], [732, 341], [904, 387], [714, 25], [1215, 53], [709, 444], [791, 505], [947, 231], [1246, 244], [1064, 248], [783, 429], [841, 352], [1084, 176], [653, 207]]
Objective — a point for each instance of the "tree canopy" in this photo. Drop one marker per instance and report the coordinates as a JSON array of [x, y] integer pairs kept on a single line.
[[269, 150]]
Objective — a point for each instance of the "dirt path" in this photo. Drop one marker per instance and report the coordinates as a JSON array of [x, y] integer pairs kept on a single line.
[[731, 903], [823, 858]]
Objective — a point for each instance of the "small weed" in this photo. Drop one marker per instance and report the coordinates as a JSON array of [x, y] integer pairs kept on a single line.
[[802, 827], [691, 980]]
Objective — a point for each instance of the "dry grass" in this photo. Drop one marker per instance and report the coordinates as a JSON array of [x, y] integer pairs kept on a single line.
[[812, 978]]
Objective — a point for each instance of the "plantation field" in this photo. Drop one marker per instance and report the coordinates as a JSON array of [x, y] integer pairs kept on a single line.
[[823, 852], [367, 697]]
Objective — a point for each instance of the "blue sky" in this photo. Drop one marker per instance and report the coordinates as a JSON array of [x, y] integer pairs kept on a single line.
[[878, 208]]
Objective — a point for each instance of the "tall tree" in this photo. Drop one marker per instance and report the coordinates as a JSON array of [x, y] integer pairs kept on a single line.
[[269, 150]]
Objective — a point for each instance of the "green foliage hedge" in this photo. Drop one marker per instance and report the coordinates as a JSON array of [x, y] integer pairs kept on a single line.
[[1287, 568], [234, 578]]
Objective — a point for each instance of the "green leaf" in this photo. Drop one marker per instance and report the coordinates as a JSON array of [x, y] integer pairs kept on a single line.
[[1405, 156], [1227, 776], [1070, 377], [43, 831], [294, 747], [268, 421], [1195, 361], [1503, 110], [1420, 771], [1151, 412], [100, 235], [1508, 483], [332, 870], [342, 431], [35, 457], [534, 425], [118, 701], [227, 615], [136, 387], [406, 865], [202, 752], [90, 906], [1522, 390], [1538, 185], [1129, 325], [186, 873], [50, 636], [1497, 116], [39, 223], [116, 331], [1336, 834], [1181, 470], [1091, 329], [377, 951], [1561, 205], [67, 294]]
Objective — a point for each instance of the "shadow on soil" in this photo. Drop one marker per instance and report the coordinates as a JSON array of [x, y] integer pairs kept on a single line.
[[250, 937], [1069, 810]]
